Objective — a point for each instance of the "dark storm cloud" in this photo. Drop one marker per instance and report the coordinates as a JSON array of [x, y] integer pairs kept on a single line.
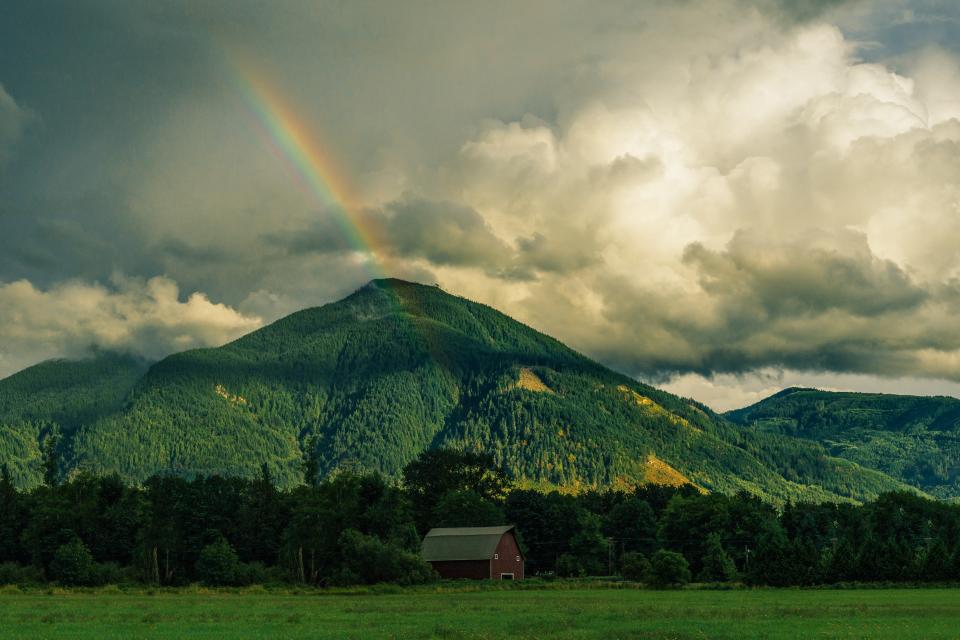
[[775, 279], [820, 303], [444, 233], [441, 232], [584, 169]]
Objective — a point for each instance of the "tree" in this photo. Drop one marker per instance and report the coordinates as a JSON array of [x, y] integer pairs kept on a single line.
[[936, 562], [634, 566], [310, 464], [465, 508], [437, 472], [263, 515], [718, 566], [72, 564], [11, 519], [771, 563], [589, 547], [218, 564], [51, 460], [632, 525], [669, 569], [687, 522]]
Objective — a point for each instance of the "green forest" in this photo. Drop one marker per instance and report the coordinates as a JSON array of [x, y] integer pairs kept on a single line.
[[913, 439], [360, 528], [395, 369]]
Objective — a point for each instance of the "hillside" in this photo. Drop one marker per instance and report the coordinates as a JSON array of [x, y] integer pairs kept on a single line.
[[59, 396], [915, 439], [395, 368]]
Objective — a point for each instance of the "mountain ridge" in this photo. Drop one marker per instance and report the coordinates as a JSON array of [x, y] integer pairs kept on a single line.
[[395, 368], [915, 439]]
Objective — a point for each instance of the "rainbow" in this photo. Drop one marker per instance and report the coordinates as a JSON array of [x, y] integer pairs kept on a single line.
[[299, 145]]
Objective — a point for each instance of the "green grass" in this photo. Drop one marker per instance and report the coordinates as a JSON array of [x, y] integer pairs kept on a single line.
[[579, 613]]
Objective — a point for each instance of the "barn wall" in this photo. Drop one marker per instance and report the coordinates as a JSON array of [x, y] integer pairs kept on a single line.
[[508, 552], [453, 569]]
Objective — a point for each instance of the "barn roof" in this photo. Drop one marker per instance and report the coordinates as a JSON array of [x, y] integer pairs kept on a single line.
[[463, 543]]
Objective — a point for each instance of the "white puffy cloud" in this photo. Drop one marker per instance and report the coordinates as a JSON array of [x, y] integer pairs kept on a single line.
[[763, 200], [146, 318]]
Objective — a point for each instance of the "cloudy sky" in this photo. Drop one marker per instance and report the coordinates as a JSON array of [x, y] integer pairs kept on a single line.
[[721, 197]]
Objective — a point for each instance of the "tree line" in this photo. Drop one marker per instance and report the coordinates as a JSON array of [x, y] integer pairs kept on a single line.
[[360, 528]]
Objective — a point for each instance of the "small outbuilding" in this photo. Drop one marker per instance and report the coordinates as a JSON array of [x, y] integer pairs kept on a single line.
[[478, 553]]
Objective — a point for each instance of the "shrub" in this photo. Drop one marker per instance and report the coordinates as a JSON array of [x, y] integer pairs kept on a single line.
[[369, 560], [569, 567], [669, 569], [112, 573], [634, 566], [218, 564], [13, 573], [72, 564], [252, 573]]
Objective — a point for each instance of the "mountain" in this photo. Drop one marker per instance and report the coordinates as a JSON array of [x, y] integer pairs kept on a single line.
[[59, 396], [915, 439], [391, 370]]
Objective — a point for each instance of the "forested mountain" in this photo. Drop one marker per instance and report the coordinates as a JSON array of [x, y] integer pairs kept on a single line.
[[915, 439], [396, 368], [53, 399]]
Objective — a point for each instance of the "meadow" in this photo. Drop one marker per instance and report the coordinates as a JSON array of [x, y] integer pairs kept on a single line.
[[483, 614]]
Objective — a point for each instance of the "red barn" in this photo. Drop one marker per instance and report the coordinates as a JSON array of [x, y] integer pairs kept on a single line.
[[479, 553]]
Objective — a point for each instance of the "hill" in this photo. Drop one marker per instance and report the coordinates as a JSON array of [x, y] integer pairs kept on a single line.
[[396, 368], [915, 439], [59, 396]]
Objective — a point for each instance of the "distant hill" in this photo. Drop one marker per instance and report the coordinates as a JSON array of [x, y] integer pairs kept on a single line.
[[915, 439], [392, 370]]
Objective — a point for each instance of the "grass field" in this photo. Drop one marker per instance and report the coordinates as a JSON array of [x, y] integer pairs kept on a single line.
[[579, 613]]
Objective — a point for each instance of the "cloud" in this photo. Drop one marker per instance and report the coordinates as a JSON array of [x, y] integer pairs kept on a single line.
[[702, 188], [13, 120], [771, 204], [146, 318], [723, 392]]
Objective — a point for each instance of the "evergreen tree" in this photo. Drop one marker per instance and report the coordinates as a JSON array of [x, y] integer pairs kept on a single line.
[[11, 519], [72, 564], [771, 563], [51, 460], [218, 564], [310, 463], [718, 566]]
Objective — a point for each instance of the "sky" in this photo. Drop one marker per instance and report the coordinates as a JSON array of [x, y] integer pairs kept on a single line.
[[723, 197]]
